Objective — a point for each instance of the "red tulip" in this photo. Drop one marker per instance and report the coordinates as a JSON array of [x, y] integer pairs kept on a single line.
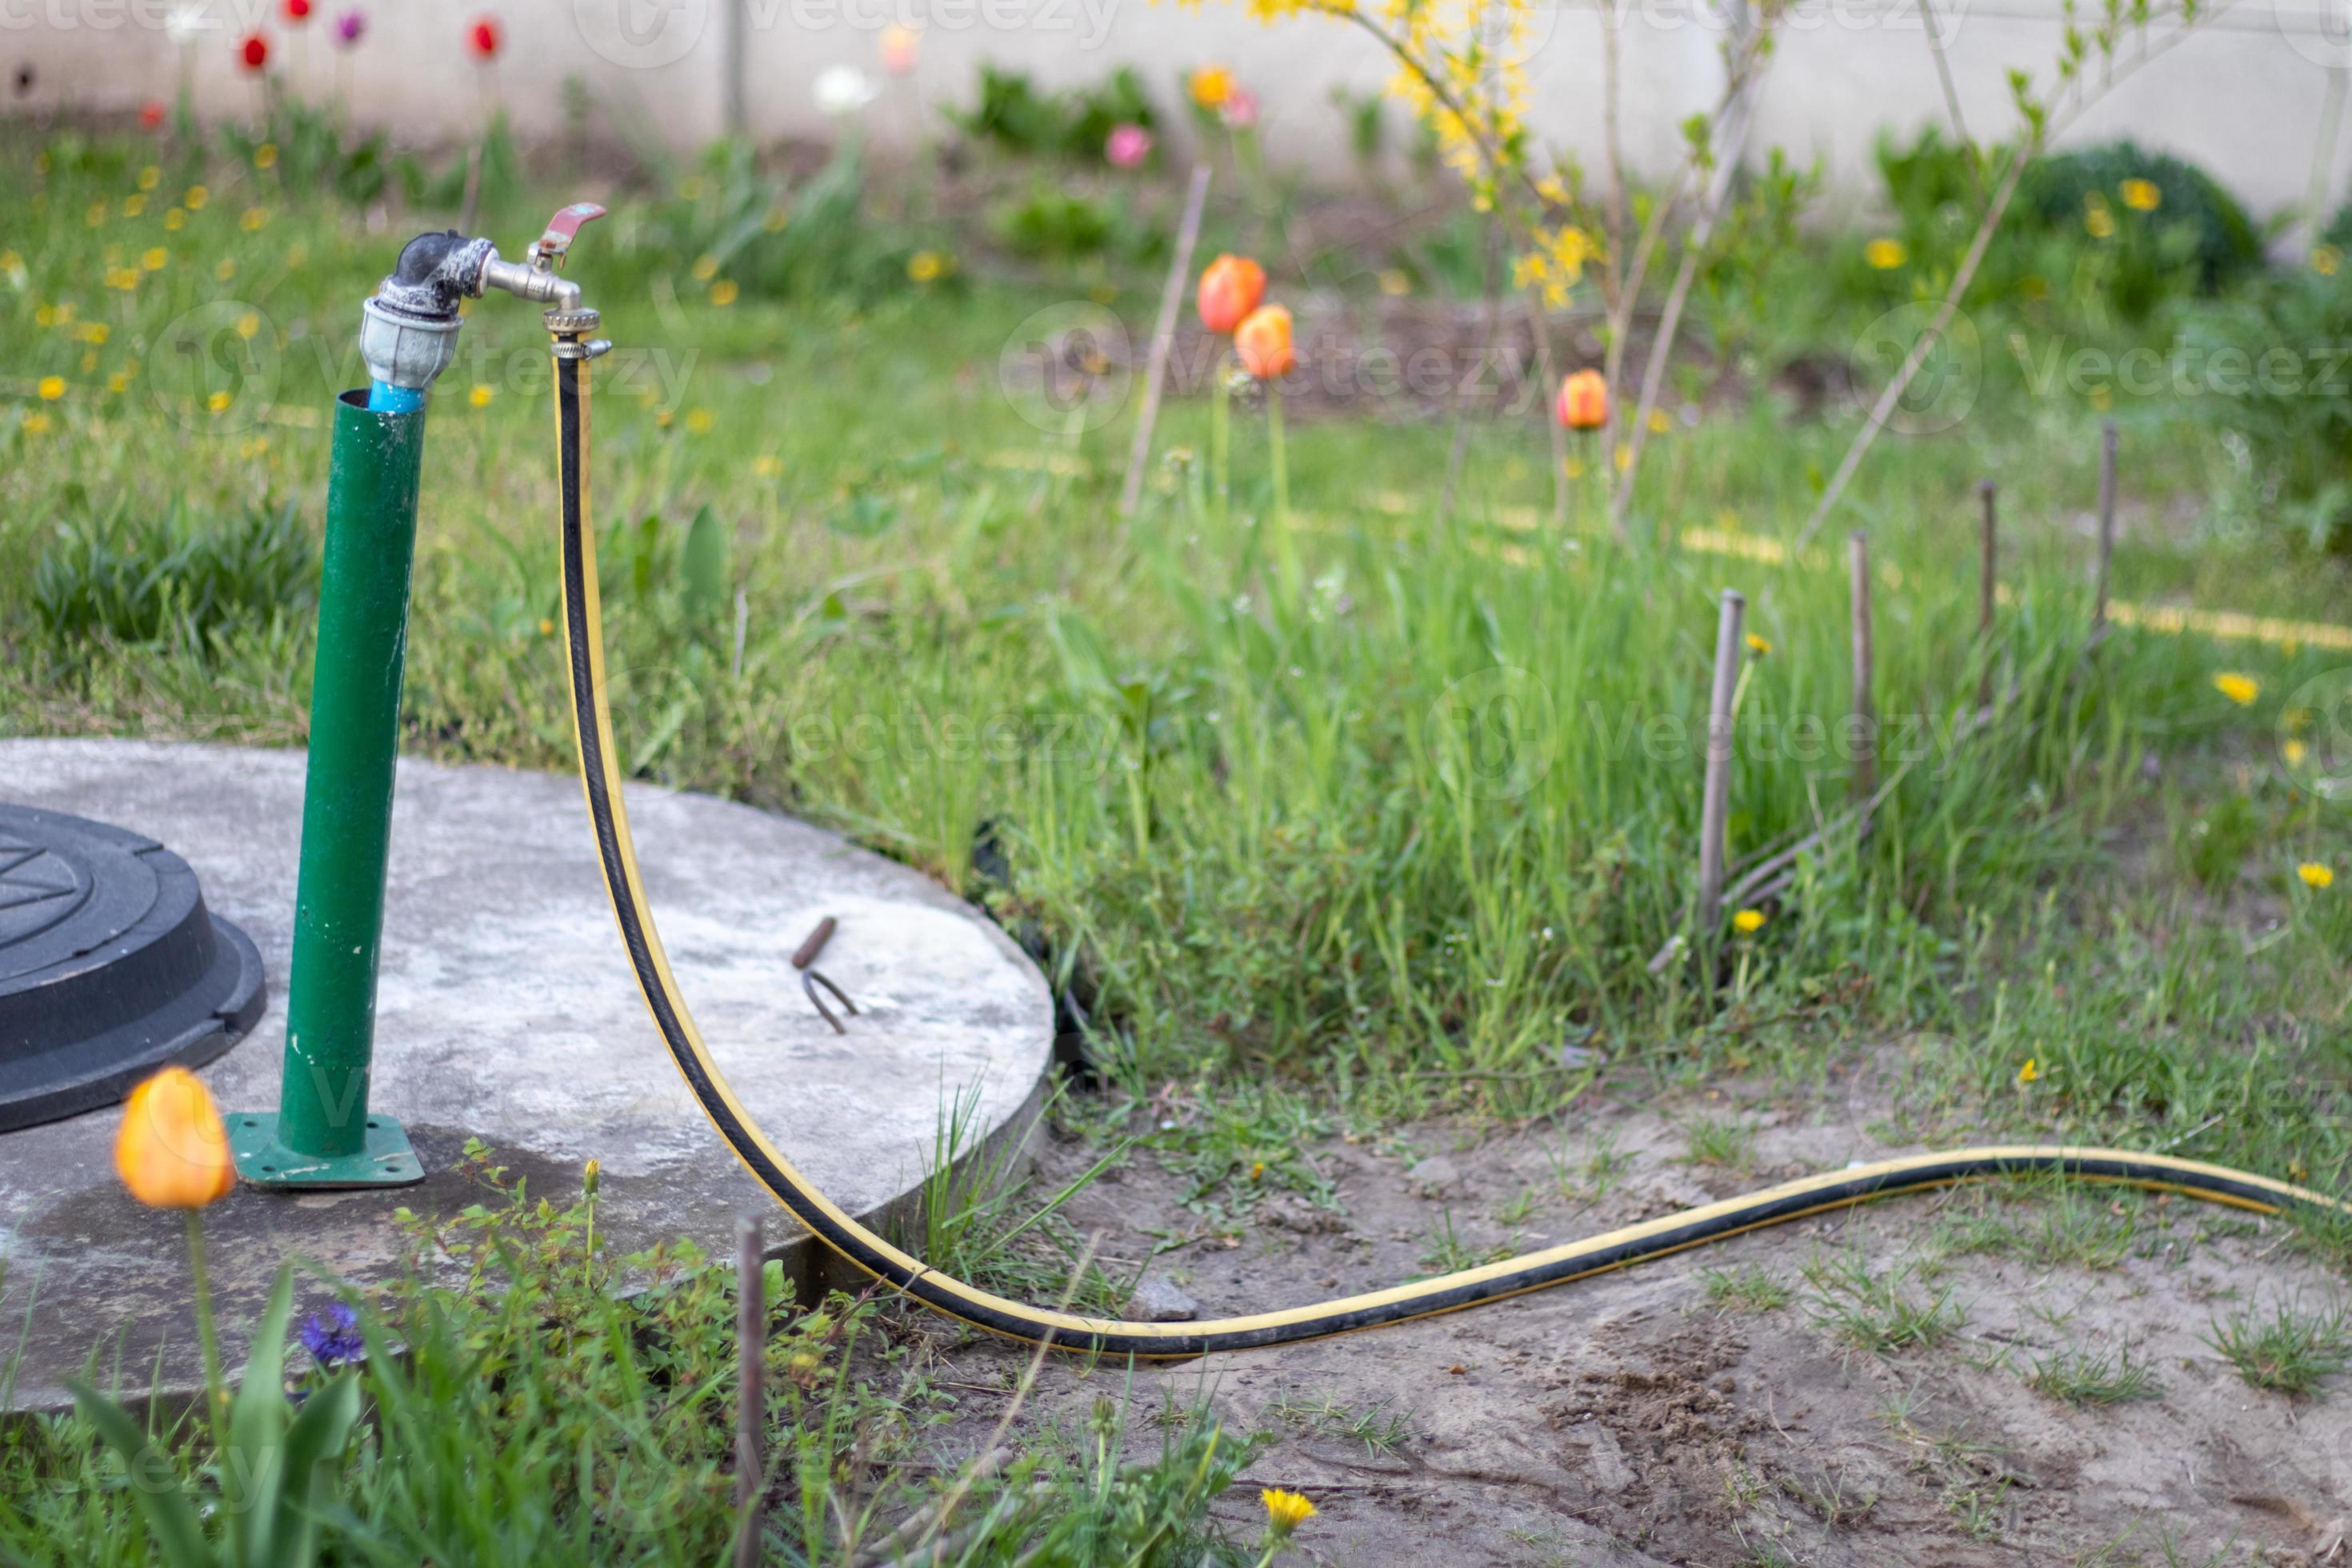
[[486, 38], [1583, 401], [1263, 340], [256, 52], [151, 113], [298, 11], [1230, 290]]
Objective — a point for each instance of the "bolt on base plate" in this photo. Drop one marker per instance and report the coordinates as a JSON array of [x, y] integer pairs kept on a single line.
[[386, 1161]]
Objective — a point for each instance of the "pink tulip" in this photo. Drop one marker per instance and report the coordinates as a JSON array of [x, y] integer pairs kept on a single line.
[[1239, 110], [1129, 146]]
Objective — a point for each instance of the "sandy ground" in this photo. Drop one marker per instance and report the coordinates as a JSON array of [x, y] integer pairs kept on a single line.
[[1631, 1419]]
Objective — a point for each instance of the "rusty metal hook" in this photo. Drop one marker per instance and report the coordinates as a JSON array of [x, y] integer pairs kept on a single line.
[[805, 955]]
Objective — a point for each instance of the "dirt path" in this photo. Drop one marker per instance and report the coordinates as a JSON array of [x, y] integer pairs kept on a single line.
[[1727, 1407]]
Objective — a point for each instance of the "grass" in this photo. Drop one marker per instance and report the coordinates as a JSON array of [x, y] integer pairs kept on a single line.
[[1378, 1426], [1750, 1287], [1877, 1313], [1401, 842], [521, 1412], [2290, 1350], [2084, 1377]]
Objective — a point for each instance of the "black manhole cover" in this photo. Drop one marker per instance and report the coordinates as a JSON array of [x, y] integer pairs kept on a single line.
[[110, 966]]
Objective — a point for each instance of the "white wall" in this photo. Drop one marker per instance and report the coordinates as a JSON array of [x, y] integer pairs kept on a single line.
[[2245, 98]]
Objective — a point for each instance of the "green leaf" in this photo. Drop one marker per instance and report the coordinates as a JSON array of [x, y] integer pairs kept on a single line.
[[705, 567], [253, 1468], [171, 1517]]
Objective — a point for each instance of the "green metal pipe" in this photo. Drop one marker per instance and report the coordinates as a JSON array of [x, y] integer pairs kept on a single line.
[[324, 1133]]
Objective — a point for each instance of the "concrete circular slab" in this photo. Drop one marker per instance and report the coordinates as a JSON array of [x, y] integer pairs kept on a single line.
[[507, 1012]]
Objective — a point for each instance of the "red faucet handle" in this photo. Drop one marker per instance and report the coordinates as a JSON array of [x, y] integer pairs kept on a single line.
[[549, 249]]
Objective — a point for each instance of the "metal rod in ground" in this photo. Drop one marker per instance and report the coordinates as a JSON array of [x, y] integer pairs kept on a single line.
[[2107, 441], [1866, 716], [1987, 586], [750, 1410], [731, 63], [1715, 810], [1164, 336]]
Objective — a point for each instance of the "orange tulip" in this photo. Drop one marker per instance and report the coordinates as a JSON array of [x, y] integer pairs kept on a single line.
[[1230, 290], [1263, 340], [173, 1151], [1583, 401]]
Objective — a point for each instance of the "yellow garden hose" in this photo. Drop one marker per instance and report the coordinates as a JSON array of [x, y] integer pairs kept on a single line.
[[600, 775]]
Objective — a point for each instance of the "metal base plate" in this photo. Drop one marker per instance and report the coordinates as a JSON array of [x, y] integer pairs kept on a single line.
[[388, 1161]]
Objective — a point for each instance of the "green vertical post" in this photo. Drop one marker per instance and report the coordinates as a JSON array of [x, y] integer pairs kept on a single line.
[[324, 1134]]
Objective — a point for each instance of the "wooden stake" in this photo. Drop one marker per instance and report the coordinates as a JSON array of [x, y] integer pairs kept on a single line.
[[1988, 588], [2107, 441], [1164, 336], [750, 1409], [1715, 811], [1866, 719]]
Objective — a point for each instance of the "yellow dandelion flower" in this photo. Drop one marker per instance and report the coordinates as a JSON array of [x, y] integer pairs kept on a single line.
[[2241, 689], [52, 388], [117, 382], [723, 292], [226, 269], [11, 262], [705, 267], [2097, 218], [1210, 86], [88, 361], [36, 423], [1885, 254], [149, 178], [2325, 260], [45, 315], [662, 418], [925, 265], [480, 395], [176, 220], [1757, 645], [253, 219], [94, 333], [2029, 1071], [699, 421], [2315, 876], [195, 199], [1395, 281], [1575, 467], [766, 467], [1285, 1512], [1747, 922], [133, 206], [1624, 456], [2141, 195], [217, 401], [123, 278], [248, 325], [2295, 751], [154, 258], [266, 156], [96, 216]]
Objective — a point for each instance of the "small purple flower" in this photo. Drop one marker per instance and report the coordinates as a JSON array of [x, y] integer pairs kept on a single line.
[[349, 27], [332, 1337]]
